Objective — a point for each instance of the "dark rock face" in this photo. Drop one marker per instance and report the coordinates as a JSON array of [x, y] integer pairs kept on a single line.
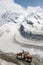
[[30, 35], [9, 16], [38, 16], [23, 33], [30, 23], [35, 17]]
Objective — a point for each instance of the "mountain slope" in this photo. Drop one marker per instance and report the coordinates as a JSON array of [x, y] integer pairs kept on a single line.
[[21, 28], [12, 41]]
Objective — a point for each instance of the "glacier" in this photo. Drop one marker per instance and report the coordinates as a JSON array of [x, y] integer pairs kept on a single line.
[[20, 28]]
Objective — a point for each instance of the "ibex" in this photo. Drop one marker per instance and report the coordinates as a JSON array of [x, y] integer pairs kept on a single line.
[[28, 58], [24, 55]]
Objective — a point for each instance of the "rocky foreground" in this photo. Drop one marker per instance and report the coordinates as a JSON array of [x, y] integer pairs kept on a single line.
[[10, 59]]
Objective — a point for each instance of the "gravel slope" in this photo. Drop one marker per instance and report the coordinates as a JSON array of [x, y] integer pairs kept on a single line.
[[10, 59]]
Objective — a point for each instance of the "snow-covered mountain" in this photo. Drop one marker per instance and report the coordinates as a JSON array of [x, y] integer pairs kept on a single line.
[[31, 22], [21, 29]]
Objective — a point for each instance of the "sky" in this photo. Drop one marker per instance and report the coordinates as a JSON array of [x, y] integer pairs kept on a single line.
[[26, 3]]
